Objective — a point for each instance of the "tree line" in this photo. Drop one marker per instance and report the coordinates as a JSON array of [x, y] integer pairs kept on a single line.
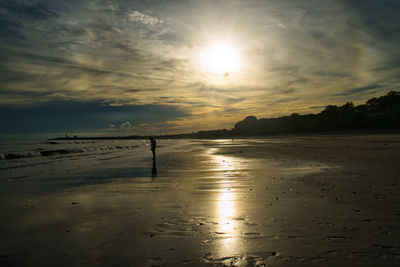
[[381, 113]]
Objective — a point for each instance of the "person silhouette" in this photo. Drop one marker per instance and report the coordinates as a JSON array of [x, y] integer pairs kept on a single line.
[[153, 145]]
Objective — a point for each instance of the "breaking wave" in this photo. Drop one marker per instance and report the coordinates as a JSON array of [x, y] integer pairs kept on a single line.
[[46, 152]]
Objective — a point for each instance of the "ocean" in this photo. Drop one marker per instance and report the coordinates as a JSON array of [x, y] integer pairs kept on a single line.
[[66, 158]]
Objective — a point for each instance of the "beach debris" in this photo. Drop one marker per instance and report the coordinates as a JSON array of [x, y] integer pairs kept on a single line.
[[331, 252], [383, 246], [252, 233], [366, 220], [335, 237]]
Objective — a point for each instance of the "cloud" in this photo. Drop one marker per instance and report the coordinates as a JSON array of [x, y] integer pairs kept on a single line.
[[331, 74], [144, 18], [379, 18], [363, 89], [288, 91], [317, 107], [126, 124]]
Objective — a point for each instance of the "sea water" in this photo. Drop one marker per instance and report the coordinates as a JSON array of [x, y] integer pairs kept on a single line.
[[26, 159]]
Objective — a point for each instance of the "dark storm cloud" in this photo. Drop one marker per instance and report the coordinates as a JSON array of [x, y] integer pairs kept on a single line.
[[76, 116]]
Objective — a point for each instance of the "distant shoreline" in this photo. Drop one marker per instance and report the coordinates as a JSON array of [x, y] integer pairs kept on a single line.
[[193, 136]]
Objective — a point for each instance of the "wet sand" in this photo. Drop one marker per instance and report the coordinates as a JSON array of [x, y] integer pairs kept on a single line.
[[284, 201]]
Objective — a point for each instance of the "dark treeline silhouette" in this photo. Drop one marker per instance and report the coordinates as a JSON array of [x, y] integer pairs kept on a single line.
[[382, 113]]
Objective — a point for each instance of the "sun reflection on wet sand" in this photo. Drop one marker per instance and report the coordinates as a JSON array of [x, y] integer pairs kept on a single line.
[[226, 210], [226, 226], [223, 163]]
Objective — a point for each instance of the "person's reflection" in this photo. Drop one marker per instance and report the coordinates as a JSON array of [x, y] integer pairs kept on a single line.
[[154, 170]]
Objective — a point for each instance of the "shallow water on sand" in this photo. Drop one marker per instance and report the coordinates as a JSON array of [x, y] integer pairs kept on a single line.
[[207, 202]]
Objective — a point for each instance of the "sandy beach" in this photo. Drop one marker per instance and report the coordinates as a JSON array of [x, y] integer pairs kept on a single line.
[[327, 200]]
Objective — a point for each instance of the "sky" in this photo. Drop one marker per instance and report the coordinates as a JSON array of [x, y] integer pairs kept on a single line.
[[109, 67]]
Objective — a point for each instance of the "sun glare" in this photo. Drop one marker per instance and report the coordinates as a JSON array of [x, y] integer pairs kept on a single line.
[[220, 59]]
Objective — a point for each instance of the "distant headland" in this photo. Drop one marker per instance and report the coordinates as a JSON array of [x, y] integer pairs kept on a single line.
[[377, 114]]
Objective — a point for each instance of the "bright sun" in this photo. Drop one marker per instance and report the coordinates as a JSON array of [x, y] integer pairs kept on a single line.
[[220, 59]]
